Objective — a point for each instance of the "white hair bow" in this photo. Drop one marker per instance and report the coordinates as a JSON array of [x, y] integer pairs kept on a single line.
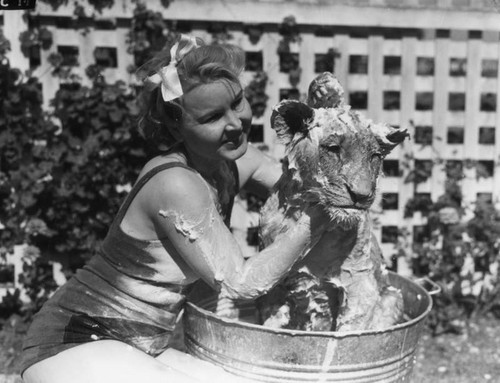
[[167, 76]]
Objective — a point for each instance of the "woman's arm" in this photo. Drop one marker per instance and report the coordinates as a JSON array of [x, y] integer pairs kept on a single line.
[[258, 171], [183, 210]]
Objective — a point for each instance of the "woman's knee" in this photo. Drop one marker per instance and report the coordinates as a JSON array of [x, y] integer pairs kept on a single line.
[[197, 368], [103, 361]]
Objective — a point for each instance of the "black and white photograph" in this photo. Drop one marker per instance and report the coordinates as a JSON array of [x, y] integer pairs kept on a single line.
[[245, 191]]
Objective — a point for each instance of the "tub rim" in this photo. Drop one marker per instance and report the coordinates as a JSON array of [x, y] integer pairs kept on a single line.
[[334, 334]]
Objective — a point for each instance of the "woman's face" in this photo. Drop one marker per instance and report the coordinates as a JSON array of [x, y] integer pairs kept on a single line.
[[216, 121]]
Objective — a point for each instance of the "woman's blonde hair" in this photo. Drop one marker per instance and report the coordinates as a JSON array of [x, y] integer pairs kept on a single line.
[[201, 65]]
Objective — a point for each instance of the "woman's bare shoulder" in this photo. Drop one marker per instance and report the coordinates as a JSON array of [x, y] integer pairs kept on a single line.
[[160, 160], [178, 186]]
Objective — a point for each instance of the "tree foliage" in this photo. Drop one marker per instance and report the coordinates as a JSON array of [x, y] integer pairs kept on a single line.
[[63, 173], [461, 254]]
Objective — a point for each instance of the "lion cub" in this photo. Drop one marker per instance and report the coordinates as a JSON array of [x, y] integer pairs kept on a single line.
[[333, 158]]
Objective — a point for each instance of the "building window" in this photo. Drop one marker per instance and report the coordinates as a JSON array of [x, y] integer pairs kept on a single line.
[[288, 62], [423, 170], [484, 169], [422, 203], [487, 135], [358, 100], [34, 56], [389, 234], [424, 100], [392, 65], [106, 57], [7, 275], [456, 102], [390, 201], [391, 168], [289, 94], [455, 135], [391, 100], [425, 66], [458, 67], [421, 234], [324, 62], [69, 54], [358, 64], [489, 68], [256, 133], [488, 102], [454, 169], [423, 135], [254, 61]]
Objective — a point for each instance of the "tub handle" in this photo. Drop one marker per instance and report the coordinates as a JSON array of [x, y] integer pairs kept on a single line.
[[429, 285]]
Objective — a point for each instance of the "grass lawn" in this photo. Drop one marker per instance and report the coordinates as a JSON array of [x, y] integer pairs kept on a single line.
[[10, 345], [471, 357]]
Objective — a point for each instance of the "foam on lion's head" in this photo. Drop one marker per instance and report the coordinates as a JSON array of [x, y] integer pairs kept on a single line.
[[333, 154]]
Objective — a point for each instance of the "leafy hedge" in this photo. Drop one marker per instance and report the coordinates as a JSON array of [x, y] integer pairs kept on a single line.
[[63, 173], [461, 254]]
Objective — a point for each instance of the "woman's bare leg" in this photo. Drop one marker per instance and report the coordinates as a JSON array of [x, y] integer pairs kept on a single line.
[[105, 361], [197, 368]]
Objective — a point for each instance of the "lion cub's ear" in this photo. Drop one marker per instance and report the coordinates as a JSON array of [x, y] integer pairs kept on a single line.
[[325, 91], [290, 117]]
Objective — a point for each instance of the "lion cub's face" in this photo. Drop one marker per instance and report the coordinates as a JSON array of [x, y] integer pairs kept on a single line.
[[348, 159], [333, 156]]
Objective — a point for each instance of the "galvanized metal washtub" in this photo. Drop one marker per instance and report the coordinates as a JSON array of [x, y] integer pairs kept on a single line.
[[278, 355]]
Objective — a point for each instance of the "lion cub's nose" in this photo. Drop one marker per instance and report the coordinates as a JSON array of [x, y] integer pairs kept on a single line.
[[360, 193]]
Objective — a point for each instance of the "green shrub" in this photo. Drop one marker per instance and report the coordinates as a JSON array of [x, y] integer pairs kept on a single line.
[[63, 174], [463, 257]]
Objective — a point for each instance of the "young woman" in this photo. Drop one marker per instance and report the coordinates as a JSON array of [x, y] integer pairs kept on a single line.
[[113, 320]]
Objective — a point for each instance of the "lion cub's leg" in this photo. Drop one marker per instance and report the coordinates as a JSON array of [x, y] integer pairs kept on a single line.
[[301, 302]]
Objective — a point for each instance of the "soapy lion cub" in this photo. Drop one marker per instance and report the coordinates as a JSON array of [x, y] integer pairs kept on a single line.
[[333, 158]]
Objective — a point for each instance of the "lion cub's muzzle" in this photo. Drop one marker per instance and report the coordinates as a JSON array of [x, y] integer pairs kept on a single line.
[[353, 199]]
